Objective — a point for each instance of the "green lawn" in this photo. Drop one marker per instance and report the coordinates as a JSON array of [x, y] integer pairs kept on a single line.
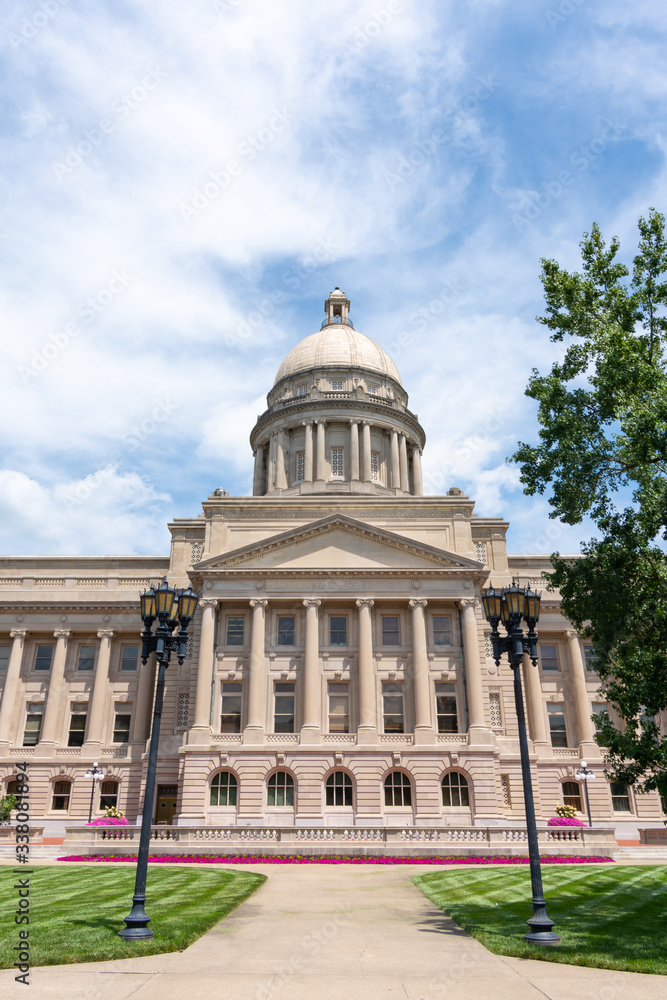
[[76, 913], [608, 917]]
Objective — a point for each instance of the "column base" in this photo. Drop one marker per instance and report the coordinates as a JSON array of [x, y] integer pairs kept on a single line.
[[199, 736], [590, 751], [480, 736], [368, 736], [424, 736], [310, 736], [253, 736], [541, 749]]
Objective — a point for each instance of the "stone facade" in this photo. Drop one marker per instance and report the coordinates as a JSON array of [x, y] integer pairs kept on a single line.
[[340, 672]]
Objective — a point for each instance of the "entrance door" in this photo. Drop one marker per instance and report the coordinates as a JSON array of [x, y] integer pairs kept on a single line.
[[166, 804]]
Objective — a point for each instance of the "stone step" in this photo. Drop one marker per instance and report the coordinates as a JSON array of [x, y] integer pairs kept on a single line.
[[647, 853], [38, 852]]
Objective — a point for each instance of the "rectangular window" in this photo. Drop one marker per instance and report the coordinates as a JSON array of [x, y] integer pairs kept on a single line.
[[128, 657], [235, 631], [445, 700], [4, 656], [122, 721], [392, 707], [339, 707], [337, 462], [548, 657], [284, 710], [620, 798], [77, 724], [33, 724], [375, 466], [338, 385], [598, 708], [300, 466], [390, 633], [590, 658], [86, 660], [373, 389], [337, 630], [302, 390], [442, 630], [61, 791], [43, 657], [109, 795], [286, 630], [232, 700], [557, 728]]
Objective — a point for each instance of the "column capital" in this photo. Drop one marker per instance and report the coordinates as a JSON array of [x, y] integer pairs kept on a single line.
[[22, 632], [417, 602], [366, 423], [468, 602], [364, 602], [106, 633], [61, 633], [321, 420], [208, 602], [306, 423], [258, 602], [311, 602], [354, 420], [571, 634]]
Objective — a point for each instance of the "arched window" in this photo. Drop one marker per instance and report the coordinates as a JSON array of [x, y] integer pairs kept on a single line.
[[339, 789], [397, 789], [455, 790], [281, 789], [572, 794], [223, 789], [61, 793], [12, 786], [109, 795]]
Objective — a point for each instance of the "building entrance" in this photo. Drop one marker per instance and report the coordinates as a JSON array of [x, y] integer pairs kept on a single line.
[[166, 804]]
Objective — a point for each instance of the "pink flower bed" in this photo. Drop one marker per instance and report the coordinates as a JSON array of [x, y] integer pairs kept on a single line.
[[109, 821], [564, 821], [297, 859]]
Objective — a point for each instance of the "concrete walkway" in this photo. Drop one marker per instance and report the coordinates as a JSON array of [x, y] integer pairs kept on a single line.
[[343, 931]]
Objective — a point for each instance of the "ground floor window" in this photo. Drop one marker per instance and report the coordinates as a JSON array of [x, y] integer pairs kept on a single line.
[[339, 789], [281, 789], [620, 798], [109, 795], [61, 793], [455, 790], [397, 789], [572, 794], [223, 789]]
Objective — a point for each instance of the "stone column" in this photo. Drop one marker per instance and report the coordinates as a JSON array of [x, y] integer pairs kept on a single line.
[[281, 461], [312, 686], [258, 475], [366, 443], [395, 463], [254, 730], [478, 732], [354, 450], [271, 465], [54, 696], [533, 690], [424, 732], [98, 701], [308, 453], [321, 455], [367, 730], [417, 481], [201, 728], [587, 745], [145, 691], [403, 453], [11, 686]]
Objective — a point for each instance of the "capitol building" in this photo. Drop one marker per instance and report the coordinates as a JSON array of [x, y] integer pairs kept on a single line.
[[340, 673]]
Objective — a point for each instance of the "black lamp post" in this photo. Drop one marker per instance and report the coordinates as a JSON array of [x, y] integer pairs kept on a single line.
[[585, 774], [96, 773], [510, 605], [170, 607]]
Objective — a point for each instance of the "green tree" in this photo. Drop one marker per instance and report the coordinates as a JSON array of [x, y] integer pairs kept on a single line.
[[602, 453], [8, 803]]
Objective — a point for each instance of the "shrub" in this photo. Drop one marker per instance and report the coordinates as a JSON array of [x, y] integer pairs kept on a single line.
[[8, 803], [568, 812]]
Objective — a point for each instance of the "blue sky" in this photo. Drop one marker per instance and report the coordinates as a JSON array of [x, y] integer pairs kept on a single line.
[[185, 183]]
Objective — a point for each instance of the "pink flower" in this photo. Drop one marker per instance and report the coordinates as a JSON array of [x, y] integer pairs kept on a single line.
[[564, 821], [290, 859], [109, 821]]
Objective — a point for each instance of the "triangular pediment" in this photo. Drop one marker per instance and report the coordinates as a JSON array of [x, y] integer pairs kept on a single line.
[[338, 543]]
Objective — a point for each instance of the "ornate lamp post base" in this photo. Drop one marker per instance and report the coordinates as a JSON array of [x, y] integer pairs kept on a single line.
[[136, 922], [541, 925]]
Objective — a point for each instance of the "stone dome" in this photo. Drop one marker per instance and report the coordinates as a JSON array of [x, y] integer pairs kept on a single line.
[[337, 345]]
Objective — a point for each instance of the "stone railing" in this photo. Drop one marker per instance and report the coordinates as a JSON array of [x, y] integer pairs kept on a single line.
[[406, 841]]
